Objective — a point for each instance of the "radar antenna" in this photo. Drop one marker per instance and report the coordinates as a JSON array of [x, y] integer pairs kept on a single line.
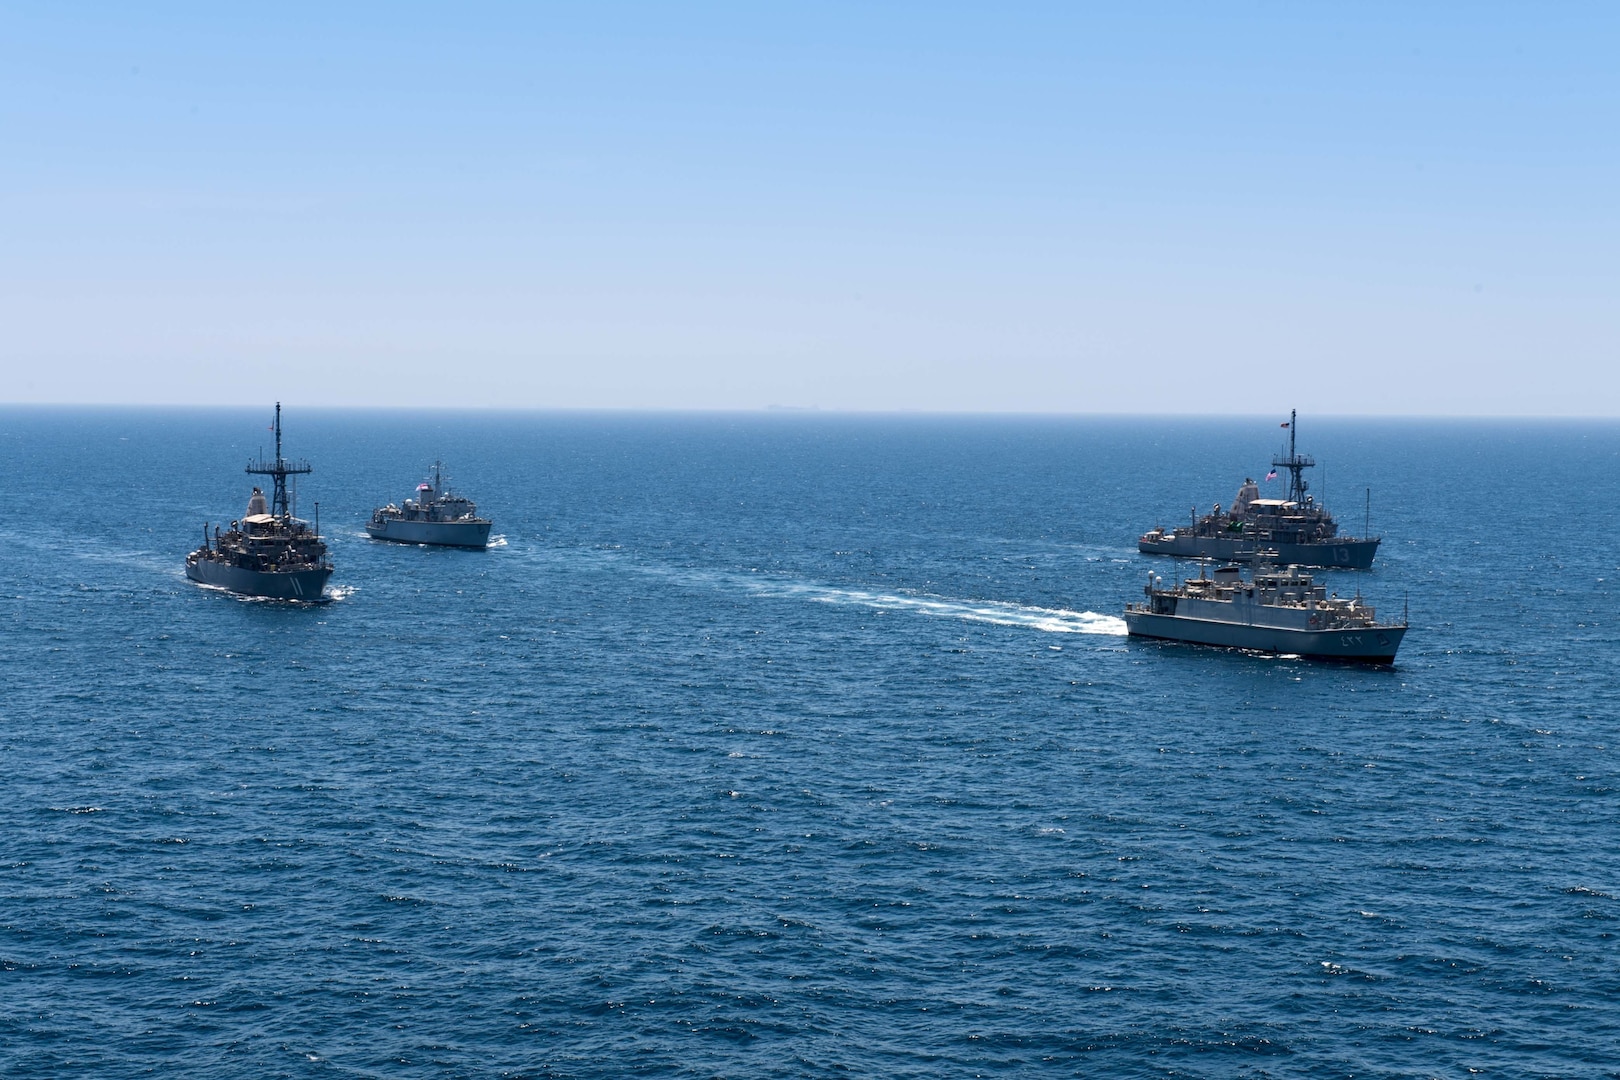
[[280, 468]]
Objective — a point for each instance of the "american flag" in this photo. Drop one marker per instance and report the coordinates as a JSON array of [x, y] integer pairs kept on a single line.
[[1272, 475]]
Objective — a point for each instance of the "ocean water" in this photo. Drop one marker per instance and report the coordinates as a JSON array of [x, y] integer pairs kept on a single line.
[[799, 745]]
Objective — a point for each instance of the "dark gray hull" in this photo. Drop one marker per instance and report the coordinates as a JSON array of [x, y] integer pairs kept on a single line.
[[308, 585], [1345, 555], [462, 534], [1374, 645]]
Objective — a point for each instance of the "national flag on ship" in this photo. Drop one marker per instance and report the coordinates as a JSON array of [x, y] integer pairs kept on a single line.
[[1272, 475], [1285, 423]]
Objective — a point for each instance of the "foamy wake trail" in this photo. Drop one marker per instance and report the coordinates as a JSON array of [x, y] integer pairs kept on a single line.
[[996, 612], [1049, 620]]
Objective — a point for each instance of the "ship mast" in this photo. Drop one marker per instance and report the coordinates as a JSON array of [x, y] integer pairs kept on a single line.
[[281, 468], [1294, 463]]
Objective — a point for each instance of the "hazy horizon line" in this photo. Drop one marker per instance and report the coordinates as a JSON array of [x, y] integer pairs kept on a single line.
[[795, 410]]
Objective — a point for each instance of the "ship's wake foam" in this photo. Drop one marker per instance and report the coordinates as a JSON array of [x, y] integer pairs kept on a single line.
[[996, 612], [331, 594]]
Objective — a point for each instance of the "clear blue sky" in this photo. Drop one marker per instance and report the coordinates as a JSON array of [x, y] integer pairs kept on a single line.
[[1042, 207]]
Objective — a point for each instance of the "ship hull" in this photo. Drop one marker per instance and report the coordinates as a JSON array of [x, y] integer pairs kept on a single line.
[[1345, 555], [1367, 645], [462, 534], [307, 585]]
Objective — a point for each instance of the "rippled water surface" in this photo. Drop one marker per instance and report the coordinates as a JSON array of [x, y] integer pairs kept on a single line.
[[799, 745]]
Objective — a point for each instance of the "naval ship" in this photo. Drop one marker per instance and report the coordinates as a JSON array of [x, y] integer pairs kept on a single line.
[[1276, 610], [268, 552], [1298, 528], [436, 516]]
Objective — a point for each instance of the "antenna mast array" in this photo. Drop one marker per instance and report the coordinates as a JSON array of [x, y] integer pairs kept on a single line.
[[1294, 463], [280, 468]]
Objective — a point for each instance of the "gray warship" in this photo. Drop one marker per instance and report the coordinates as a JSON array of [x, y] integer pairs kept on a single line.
[[436, 516], [1298, 528], [1278, 610], [269, 552]]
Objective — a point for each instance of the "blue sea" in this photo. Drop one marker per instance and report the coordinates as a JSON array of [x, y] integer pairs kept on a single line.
[[800, 745]]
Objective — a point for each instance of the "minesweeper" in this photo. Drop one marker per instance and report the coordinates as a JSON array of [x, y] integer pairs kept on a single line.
[[1298, 528], [436, 516], [1278, 610], [269, 552]]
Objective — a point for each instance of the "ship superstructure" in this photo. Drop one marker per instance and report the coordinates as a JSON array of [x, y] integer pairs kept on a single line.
[[268, 552]]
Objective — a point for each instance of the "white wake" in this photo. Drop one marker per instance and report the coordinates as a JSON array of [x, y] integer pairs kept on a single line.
[[997, 612]]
